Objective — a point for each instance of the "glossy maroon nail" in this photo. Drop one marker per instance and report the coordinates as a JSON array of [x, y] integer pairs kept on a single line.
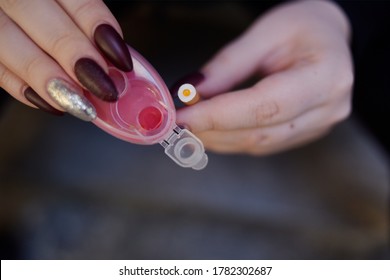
[[95, 80], [194, 79], [38, 101], [114, 48]]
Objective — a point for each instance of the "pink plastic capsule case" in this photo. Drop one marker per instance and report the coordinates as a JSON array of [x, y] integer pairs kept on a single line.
[[145, 114]]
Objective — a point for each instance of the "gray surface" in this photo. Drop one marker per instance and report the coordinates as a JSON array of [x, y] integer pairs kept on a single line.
[[69, 190], [81, 193]]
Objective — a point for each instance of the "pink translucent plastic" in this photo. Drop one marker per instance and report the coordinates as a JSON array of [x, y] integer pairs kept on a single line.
[[144, 112]]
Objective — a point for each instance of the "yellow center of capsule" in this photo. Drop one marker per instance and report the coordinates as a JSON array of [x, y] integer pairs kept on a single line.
[[186, 92]]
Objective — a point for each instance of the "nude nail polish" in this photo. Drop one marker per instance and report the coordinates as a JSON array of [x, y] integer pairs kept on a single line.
[[113, 47], [95, 80], [38, 101], [66, 96]]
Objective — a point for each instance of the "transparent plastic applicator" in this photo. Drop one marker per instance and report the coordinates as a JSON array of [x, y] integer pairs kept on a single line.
[[145, 114]]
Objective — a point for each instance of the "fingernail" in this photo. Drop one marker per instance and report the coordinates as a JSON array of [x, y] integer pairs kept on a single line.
[[194, 79], [114, 48], [66, 96], [95, 80], [38, 101]]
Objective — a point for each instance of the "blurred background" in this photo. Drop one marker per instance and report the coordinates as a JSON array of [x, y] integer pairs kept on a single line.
[[70, 191]]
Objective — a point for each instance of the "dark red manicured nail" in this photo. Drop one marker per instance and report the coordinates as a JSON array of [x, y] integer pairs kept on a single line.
[[194, 79], [38, 101], [95, 80], [111, 44]]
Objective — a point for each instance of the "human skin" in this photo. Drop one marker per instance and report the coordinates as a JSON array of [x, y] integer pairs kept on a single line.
[[51, 50], [301, 51]]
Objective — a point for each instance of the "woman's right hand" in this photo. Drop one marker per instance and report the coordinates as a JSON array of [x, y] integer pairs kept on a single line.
[[51, 50], [301, 52]]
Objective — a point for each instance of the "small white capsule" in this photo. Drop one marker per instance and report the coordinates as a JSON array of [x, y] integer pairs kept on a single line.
[[188, 94]]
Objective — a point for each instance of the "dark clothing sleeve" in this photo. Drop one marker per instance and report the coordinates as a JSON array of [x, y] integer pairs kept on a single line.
[[370, 23]]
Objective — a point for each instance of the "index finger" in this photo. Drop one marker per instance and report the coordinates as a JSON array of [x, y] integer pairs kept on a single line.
[[275, 99], [100, 26]]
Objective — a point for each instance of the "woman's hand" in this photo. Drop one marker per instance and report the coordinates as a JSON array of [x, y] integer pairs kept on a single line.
[[301, 51], [50, 50]]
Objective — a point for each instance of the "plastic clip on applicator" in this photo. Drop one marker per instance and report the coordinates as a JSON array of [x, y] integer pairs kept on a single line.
[[145, 114]]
